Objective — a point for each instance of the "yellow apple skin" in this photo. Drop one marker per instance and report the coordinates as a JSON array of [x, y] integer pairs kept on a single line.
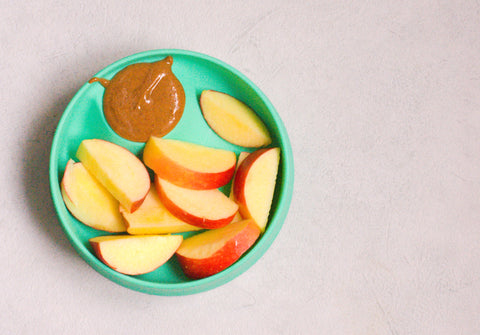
[[195, 166], [254, 185], [214, 213], [135, 255], [232, 120], [88, 201], [213, 251], [117, 169], [153, 218]]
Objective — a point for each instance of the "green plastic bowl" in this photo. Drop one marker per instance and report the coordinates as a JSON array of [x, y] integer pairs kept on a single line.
[[83, 118]]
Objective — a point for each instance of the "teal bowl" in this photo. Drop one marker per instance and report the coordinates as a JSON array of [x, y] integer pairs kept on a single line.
[[84, 118]]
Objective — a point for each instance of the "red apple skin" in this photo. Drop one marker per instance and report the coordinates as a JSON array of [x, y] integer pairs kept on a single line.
[[179, 175], [187, 217], [241, 177], [96, 250], [223, 258], [137, 204]]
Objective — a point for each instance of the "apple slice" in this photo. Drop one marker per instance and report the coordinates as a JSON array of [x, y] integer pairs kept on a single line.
[[202, 208], [117, 169], [255, 184], [153, 218], [241, 157], [88, 200], [232, 120], [134, 255], [210, 252], [189, 165]]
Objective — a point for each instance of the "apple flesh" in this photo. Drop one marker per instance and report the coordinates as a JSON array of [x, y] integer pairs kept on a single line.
[[134, 255], [212, 251], [153, 218], [189, 165], [254, 185], [89, 201], [201, 208], [117, 169], [232, 120]]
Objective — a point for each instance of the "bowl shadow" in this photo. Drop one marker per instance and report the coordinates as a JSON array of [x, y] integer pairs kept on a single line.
[[36, 157]]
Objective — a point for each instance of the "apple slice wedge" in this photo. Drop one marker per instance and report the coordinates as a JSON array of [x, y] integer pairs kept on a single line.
[[233, 120], [189, 165], [153, 218], [88, 200], [134, 255], [117, 169], [254, 185], [241, 157], [210, 252], [202, 208]]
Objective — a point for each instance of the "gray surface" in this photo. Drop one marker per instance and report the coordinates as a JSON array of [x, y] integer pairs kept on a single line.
[[382, 103]]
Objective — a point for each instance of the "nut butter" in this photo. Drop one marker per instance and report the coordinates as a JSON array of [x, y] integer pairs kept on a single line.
[[143, 99]]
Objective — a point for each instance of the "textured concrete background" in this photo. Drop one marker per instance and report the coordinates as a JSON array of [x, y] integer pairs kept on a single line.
[[382, 103]]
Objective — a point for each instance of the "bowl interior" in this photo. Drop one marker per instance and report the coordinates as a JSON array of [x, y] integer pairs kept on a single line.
[[83, 118]]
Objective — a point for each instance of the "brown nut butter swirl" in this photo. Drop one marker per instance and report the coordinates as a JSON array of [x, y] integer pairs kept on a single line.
[[142, 100]]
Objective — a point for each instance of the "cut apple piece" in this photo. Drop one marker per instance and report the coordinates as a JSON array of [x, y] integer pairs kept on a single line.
[[210, 252], [153, 218], [134, 255], [232, 120], [241, 157], [189, 165], [254, 185], [117, 169], [202, 208], [88, 200]]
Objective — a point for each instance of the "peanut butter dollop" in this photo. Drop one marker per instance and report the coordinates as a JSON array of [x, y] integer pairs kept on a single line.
[[143, 99]]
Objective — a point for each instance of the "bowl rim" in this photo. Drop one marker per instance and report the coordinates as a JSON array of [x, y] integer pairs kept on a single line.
[[248, 259]]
